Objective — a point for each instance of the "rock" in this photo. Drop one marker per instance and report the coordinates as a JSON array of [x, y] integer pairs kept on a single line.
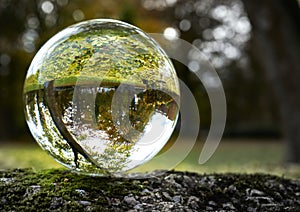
[[3, 200], [81, 192], [146, 199], [167, 196], [188, 182], [145, 191], [212, 203], [251, 209], [115, 201], [193, 202], [31, 190], [166, 206], [157, 195], [208, 208], [177, 199], [56, 202], [254, 192], [138, 206], [231, 188], [62, 190], [130, 200], [228, 206], [85, 203], [6, 180], [143, 206]]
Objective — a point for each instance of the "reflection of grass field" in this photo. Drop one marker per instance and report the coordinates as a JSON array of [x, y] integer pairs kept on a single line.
[[232, 156]]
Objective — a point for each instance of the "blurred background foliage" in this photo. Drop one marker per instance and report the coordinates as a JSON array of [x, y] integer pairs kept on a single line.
[[221, 29]]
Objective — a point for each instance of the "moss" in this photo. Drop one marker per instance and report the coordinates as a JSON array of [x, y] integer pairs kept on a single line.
[[57, 183]]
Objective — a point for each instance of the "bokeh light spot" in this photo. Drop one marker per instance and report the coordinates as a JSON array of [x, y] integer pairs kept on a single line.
[[47, 7]]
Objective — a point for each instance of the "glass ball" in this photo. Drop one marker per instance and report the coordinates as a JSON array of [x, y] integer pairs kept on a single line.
[[101, 97]]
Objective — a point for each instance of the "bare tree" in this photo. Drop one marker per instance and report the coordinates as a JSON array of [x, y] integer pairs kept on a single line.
[[276, 47]]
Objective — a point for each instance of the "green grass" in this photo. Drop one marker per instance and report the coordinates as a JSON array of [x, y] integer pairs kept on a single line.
[[25, 156], [243, 156]]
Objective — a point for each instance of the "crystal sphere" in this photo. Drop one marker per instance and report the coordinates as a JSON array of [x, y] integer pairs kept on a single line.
[[101, 97]]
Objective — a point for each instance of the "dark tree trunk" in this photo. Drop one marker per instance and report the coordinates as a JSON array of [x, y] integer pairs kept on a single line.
[[276, 46]]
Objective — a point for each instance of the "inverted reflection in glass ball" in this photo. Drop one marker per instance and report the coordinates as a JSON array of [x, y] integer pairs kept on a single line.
[[100, 97]]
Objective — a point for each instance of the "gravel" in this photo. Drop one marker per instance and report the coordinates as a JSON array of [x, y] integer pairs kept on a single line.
[[61, 190]]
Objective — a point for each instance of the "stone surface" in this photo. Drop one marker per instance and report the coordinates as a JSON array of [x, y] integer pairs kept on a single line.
[[61, 190]]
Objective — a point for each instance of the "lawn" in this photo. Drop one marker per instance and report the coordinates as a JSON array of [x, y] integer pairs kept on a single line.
[[238, 155]]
